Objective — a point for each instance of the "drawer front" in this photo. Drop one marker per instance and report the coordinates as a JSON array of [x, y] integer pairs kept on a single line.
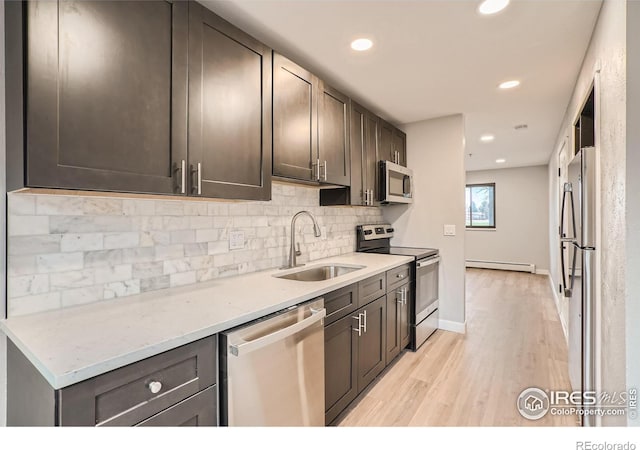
[[128, 395], [371, 289], [398, 276], [197, 411], [340, 303]]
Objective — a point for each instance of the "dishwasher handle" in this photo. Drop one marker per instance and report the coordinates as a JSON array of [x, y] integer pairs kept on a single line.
[[428, 262], [248, 347]]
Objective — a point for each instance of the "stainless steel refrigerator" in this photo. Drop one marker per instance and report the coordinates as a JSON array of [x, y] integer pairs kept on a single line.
[[578, 247]]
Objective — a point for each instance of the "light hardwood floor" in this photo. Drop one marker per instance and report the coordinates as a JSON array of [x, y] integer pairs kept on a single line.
[[514, 340]]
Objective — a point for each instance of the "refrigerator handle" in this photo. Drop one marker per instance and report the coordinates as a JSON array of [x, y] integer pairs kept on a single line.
[[572, 276]]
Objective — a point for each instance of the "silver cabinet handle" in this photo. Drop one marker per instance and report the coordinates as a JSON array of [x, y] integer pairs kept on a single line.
[[154, 386], [366, 197], [199, 179], [404, 296], [359, 329], [365, 320], [325, 171], [263, 341], [318, 169], [401, 276], [401, 292], [183, 177]]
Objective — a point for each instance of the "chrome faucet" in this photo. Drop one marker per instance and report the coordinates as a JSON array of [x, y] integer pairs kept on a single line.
[[294, 251]]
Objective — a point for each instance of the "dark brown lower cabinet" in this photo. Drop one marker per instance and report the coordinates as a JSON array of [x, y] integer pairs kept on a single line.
[[340, 362], [397, 321], [372, 342], [354, 349], [173, 388], [405, 327]]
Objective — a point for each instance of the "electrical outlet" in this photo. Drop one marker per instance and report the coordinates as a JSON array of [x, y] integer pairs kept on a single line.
[[449, 230], [236, 240]]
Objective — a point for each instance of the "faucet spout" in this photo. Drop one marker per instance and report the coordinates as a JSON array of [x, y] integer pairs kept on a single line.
[[293, 253]]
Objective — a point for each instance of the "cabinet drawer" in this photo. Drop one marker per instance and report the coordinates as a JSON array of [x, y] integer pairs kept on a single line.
[[398, 276], [197, 411], [124, 397], [371, 289], [340, 303]]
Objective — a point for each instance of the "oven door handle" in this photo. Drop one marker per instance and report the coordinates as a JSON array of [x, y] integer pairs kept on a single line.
[[428, 262]]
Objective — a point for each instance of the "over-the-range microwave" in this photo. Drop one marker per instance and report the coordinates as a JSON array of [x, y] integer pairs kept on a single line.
[[396, 183]]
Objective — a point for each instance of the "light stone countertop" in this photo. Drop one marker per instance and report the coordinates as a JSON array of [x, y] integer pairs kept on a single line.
[[74, 344]]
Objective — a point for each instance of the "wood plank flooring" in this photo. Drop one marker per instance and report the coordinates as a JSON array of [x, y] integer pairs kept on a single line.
[[514, 340]]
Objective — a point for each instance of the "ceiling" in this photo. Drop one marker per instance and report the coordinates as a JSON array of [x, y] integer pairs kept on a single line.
[[437, 58]]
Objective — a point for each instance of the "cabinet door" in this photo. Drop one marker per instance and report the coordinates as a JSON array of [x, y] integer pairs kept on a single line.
[[394, 305], [106, 95], [371, 157], [333, 136], [372, 343], [404, 328], [357, 123], [400, 146], [295, 136], [229, 110], [340, 359], [385, 143]]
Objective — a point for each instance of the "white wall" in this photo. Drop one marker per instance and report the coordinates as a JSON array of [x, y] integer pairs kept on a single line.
[[633, 203], [522, 218], [435, 152], [3, 221], [607, 51]]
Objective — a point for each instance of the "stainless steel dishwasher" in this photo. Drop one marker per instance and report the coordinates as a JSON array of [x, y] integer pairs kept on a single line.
[[272, 370]]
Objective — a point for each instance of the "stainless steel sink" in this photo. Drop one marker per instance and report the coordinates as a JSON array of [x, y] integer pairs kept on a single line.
[[319, 273]]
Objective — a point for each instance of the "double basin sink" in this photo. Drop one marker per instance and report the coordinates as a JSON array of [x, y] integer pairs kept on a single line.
[[319, 273]]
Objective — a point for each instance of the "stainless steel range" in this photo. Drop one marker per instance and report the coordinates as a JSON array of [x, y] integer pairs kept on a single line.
[[425, 268]]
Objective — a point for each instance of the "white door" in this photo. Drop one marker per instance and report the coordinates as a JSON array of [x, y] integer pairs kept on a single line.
[[571, 306]]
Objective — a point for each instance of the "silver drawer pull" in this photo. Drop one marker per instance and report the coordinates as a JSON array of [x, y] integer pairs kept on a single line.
[[154, 386]]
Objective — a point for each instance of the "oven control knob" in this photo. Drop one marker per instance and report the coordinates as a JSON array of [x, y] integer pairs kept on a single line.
[[390, 230], [367, 232]]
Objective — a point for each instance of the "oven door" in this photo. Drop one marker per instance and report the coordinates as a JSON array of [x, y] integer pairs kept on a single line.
[[427, 273]]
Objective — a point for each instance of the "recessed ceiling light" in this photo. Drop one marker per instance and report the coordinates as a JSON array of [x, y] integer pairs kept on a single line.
[[501, 161], [487, 138], [509, 84], [492, 6], [361, 44]]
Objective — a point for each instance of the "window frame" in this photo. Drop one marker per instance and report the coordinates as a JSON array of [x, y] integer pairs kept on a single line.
[[481, 227]]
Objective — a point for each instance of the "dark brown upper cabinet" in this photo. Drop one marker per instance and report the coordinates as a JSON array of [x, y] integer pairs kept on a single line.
[[295, 121], [391, 144], [106, 86], [334, 156], [229, 110], [400, 146], [363, 138], [385, 141], [310, 126]]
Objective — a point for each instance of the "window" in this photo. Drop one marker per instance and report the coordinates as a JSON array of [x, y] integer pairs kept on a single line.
[[481, 205]]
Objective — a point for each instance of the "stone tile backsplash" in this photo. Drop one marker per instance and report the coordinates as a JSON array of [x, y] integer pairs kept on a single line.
[[67, 250]]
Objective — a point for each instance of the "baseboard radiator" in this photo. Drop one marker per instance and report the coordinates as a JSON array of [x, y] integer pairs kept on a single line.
[[498, 265]]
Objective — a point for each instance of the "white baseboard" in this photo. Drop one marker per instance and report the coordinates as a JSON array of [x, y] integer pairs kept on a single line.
[[556, 300], [500, 265], [456, 327], [542, 272]]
